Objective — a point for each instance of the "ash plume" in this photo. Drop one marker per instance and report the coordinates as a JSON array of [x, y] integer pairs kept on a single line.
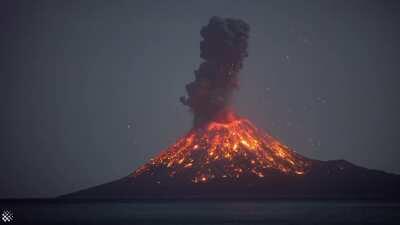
[[223, 48]]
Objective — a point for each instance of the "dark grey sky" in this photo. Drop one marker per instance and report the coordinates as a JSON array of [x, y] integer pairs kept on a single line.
[[322, 76]]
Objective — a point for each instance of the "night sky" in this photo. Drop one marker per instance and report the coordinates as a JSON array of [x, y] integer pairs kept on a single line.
[[90, 90]]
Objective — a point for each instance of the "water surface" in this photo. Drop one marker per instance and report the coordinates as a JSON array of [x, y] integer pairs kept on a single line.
[[274, 212]]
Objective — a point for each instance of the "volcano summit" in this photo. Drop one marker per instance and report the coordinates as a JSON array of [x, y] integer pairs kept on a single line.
[[226, 156]]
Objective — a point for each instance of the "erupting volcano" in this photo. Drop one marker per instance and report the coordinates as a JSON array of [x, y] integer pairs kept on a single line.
[[226, 156], [221, 145]]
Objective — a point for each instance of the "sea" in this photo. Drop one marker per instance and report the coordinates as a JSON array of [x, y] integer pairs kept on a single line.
[[271, 212]]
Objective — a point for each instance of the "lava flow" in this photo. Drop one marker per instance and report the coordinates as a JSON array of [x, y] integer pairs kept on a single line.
[[225, 151]]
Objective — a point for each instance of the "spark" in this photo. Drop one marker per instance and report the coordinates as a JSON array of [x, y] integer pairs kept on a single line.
[[130, 125], [188, 165]]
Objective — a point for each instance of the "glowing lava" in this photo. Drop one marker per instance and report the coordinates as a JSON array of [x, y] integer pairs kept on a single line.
[[226, 150]]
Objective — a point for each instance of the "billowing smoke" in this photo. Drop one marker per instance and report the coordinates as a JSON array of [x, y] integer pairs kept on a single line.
[[224, 46]]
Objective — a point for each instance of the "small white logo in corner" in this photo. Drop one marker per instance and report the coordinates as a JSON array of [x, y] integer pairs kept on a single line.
[[7, 216]]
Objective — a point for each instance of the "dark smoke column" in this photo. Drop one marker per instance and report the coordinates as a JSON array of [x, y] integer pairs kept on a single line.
[[224, 46]]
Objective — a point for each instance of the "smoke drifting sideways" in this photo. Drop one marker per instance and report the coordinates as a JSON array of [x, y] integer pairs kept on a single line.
[[224, 46]]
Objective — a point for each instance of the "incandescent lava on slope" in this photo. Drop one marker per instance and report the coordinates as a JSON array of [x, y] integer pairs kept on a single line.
[[225, 151]]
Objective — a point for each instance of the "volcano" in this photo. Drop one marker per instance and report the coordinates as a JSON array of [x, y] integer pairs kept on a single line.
[[235, 160], [224, 156]]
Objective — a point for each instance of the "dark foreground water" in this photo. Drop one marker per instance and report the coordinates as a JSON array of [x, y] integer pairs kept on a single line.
[[203, 212]]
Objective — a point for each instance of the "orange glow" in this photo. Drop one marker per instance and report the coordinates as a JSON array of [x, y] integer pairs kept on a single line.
[[188, 165], [222, 150]]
